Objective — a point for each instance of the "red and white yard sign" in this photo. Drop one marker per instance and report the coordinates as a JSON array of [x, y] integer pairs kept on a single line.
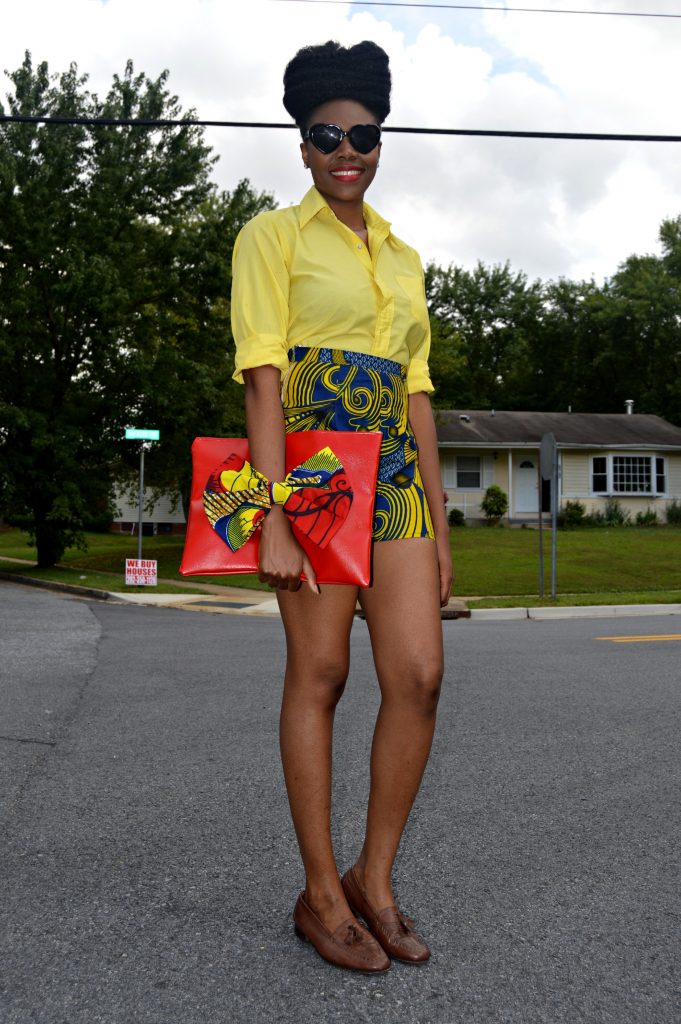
[[141, 572]]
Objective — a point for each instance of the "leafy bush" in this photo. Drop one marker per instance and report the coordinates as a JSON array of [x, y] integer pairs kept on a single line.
[[647, 518], [674, 513], [614, 514], [571, 514], [494, 504], [456, 517]]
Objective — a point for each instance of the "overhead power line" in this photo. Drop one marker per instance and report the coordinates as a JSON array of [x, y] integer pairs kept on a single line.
[[132, 122], [486, 7]]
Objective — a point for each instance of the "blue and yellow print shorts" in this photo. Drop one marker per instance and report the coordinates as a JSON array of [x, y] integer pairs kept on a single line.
[[330, 389]]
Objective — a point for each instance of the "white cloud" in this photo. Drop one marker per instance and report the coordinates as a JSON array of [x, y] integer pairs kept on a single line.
[[551, 208]]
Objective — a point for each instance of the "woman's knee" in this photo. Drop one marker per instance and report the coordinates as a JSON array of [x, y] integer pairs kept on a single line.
[[320, 680], [419, 684]]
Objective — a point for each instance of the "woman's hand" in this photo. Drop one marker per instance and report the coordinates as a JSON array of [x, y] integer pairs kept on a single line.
[[444, 557], [282, 559]]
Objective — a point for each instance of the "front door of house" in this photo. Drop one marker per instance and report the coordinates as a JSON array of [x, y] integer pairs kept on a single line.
[[526, 497]]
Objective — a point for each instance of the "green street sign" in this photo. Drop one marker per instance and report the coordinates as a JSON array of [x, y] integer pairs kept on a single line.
[[133, 434]]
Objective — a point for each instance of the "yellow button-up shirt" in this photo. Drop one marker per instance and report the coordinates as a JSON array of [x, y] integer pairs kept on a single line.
[[301, 277]]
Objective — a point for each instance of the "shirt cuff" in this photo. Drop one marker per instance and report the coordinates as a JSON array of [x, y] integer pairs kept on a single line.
[[263, 350], [418, 378]]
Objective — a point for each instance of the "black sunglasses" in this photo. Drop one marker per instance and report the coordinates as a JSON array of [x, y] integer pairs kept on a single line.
[[327, 137]]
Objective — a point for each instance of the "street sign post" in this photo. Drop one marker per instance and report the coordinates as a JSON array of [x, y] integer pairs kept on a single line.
[[142, 435], [548, 466], [134, 434]]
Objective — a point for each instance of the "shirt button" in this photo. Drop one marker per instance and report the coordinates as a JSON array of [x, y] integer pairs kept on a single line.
[[359, 245]]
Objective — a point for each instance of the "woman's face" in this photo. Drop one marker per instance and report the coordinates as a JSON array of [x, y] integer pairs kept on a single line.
[[345, 174]]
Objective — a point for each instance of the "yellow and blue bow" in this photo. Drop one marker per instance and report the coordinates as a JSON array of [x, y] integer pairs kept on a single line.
[[315, 496]]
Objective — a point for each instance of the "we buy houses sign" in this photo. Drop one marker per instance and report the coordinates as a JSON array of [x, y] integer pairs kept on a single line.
[[141, 572]]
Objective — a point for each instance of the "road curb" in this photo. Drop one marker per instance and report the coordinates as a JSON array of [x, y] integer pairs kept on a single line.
[[65, 588], [270, 607], [584, 611]]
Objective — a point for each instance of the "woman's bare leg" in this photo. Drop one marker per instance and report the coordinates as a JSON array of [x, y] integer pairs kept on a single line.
[[403, 614], [317, 640]]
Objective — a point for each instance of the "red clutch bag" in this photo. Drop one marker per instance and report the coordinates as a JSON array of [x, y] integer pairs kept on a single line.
[[328, 496]]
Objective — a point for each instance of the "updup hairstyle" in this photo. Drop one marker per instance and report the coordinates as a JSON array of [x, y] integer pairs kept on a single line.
[[330, 71]]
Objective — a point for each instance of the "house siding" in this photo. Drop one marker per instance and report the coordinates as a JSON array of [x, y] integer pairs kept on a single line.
[[163, 513], [492, 471], [575, 475], [674, 477]]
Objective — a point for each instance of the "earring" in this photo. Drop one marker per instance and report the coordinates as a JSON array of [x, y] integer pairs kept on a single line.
[[306, 166]]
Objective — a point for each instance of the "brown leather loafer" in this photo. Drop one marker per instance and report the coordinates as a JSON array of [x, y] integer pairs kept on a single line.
[[389, 926], [349, 946]]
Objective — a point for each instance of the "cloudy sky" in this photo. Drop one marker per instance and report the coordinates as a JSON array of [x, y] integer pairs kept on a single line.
[[552, 208]]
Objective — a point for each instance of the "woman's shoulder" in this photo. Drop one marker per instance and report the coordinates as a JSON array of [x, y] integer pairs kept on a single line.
[[407, 254], [269, 230]]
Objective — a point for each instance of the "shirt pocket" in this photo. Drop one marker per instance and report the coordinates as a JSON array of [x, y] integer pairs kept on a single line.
[[412, 285]]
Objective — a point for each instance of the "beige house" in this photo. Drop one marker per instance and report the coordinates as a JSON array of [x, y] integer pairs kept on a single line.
[[166, 515], [636, 459]]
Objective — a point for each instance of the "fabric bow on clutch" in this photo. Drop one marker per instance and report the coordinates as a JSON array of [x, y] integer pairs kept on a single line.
[[316, 497]]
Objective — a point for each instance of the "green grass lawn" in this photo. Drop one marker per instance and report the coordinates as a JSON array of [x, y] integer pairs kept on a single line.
[[595, 566], [107, 552], [492, 561]]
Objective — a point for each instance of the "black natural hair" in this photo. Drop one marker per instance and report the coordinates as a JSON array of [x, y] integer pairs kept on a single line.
[[330, 71]]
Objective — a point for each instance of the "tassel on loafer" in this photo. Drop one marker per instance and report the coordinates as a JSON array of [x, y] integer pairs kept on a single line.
[[349, 946], [389, 926]]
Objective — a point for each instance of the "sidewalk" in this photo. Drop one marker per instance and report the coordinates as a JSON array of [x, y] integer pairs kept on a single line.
[[242, 601]]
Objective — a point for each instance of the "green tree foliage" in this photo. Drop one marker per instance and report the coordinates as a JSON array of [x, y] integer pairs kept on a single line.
[[501, 342], [482, 320], [190, 360], [644, 336], [114, 274]]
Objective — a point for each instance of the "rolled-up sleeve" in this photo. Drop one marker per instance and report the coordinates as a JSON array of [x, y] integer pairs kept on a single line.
[[418, 374], [260, 297]]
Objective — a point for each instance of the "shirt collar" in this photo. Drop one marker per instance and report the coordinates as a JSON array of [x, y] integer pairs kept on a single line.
[[313, 202]]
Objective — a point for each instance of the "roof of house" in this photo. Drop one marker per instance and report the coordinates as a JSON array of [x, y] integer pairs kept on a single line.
[[476, 428]]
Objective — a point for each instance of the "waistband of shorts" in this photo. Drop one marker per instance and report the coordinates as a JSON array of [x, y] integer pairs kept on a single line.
[[343, 357]]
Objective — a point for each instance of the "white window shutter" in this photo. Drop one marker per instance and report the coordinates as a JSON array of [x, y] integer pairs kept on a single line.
[[487, 471]]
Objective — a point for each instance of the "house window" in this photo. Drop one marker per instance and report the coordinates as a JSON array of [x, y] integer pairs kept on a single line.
[[599, 475], [468, 472], [628, 474], [631, 474]]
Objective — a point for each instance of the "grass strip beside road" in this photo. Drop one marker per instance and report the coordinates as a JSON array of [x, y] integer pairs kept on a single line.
[[578, 600], [93, 580], [626, 565], [107, 552]]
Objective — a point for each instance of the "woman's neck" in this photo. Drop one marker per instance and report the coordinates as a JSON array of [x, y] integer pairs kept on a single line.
[[350, 214]]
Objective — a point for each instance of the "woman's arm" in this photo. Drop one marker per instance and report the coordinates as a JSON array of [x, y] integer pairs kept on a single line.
[[281, 558], [423, 425]]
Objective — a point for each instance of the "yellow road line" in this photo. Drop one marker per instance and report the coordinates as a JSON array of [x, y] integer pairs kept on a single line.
[[639, 639]]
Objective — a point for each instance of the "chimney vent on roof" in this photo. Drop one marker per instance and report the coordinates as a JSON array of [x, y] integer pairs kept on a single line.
[[630, 406]]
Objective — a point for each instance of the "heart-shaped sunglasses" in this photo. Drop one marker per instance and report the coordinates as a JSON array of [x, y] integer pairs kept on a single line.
[[327, 137]]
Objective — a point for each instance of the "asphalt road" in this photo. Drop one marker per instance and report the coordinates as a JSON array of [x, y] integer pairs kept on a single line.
[[149, 868]]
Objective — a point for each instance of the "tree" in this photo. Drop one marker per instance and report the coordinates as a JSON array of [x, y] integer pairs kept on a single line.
[[190, 363], [101, 235], [482, 320]]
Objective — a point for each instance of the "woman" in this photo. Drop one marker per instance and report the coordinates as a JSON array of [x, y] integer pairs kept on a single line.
[[326, 298]]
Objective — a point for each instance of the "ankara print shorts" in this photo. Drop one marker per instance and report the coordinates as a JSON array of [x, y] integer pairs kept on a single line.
[[330, 389]]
